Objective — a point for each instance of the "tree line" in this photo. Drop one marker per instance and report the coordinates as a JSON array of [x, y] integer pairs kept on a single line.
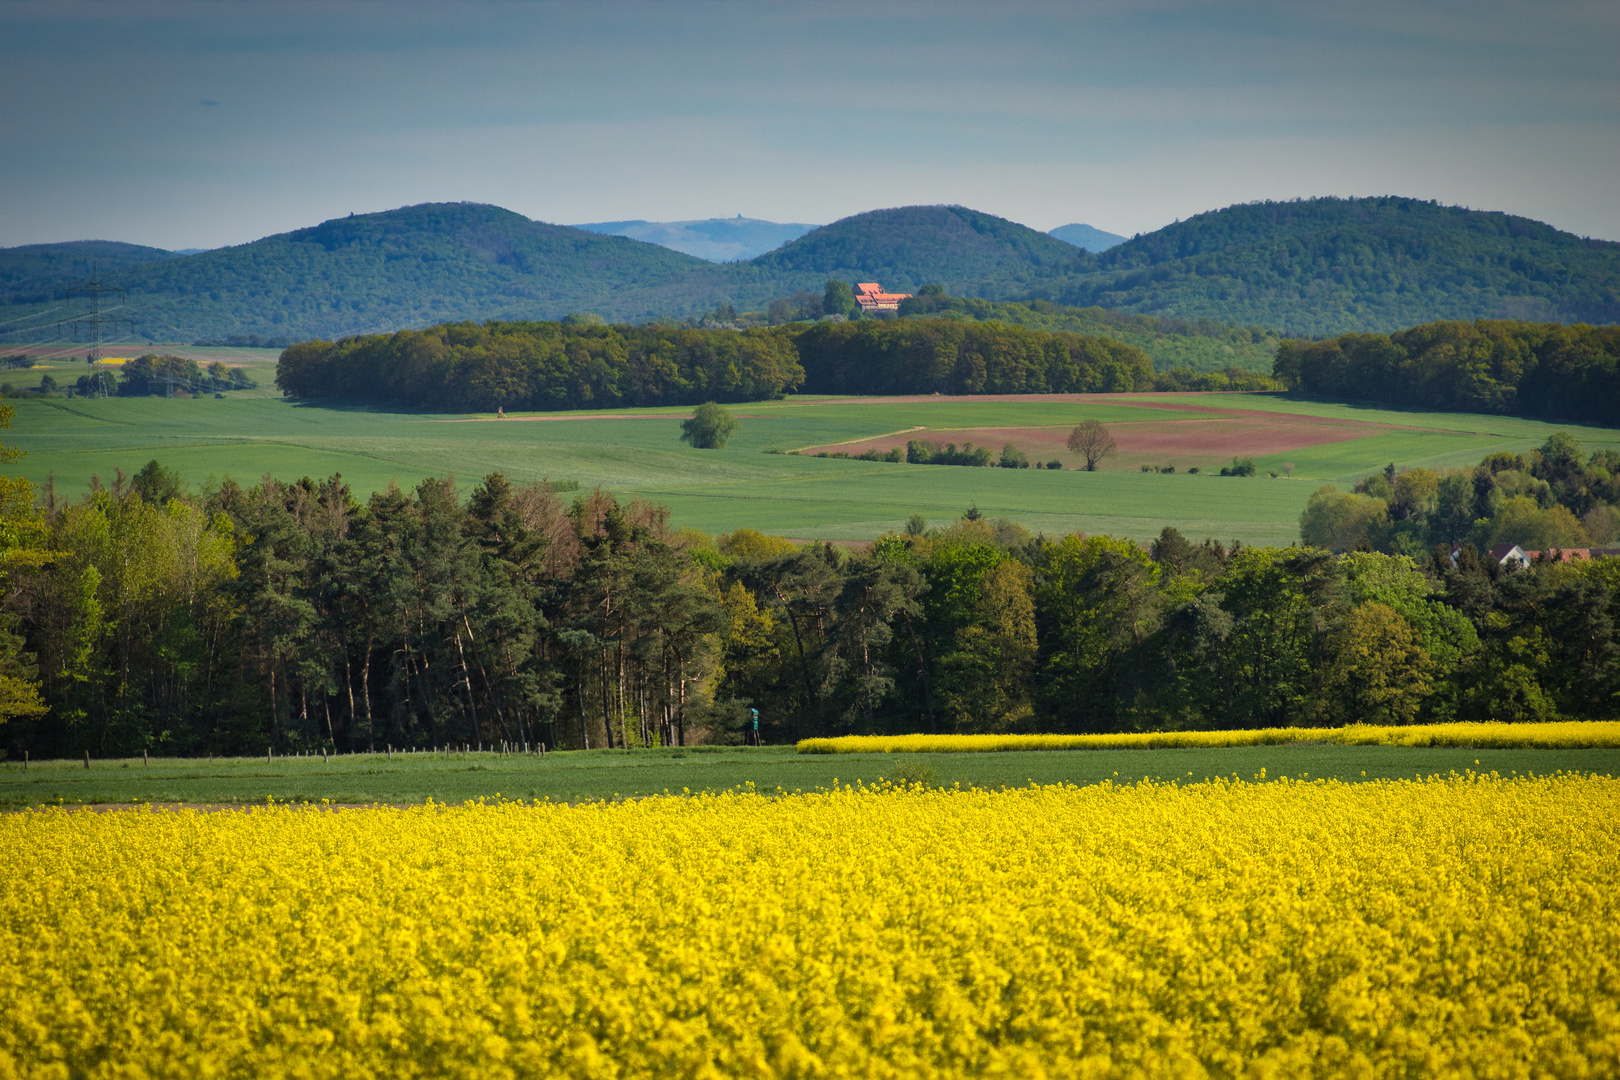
[[1489, 366], [142, 616], [573, 364], [578, 364], [1554, 497], [149, 375]]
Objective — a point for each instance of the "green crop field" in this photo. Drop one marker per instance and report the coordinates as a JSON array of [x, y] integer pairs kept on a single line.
[[638, 453], [607, 774]]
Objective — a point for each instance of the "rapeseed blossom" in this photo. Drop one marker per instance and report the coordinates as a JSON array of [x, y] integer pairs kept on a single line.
[[1565, 734], [1462, 926]]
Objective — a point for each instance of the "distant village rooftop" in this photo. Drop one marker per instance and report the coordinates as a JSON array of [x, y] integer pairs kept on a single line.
[[871, 297]]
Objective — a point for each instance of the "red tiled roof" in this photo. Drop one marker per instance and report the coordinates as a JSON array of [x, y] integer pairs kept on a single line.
[[1563, 554]]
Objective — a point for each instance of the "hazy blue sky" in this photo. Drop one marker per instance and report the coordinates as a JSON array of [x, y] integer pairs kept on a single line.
[[200, 124]]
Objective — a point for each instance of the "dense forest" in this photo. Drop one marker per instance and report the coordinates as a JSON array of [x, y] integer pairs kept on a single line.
[[1327, 266], [923, 356], [1522, 369], [1556, 497], [1200, 345], [378, 272], [37, 273], [1308, 268], [141, 616], [581, 364], [569, 365]]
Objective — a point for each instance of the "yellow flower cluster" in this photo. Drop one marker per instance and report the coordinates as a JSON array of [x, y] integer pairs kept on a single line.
[[1566, 734], [1467, 926]]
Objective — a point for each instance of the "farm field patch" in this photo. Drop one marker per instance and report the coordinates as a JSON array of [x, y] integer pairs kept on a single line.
[[637, 453], [403, 778], [1460, 926]]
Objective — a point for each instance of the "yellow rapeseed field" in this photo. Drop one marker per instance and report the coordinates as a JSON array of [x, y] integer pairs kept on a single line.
[[1465, 927], [1565, 734]]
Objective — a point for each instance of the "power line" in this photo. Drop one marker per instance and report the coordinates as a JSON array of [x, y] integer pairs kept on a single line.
[[92, 322]]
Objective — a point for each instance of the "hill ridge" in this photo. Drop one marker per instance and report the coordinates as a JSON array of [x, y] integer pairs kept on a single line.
[[1308, 267]]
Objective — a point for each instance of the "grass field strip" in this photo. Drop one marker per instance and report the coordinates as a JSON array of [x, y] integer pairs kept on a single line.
[[741, 486]]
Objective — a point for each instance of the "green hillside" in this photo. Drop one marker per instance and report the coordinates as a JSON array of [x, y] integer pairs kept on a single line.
[[37, 273], [903, 248], [1327, 266], [409, 267], [446, 262], [1309, 268], [910, 246]]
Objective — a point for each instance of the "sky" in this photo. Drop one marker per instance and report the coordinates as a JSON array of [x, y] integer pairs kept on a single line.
[[202, 124]]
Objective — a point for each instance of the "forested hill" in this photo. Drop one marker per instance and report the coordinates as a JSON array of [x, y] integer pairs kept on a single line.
[[37, 272], [972, 254], [1312, 268], [1327, 266], [421, 265], [403, 268]]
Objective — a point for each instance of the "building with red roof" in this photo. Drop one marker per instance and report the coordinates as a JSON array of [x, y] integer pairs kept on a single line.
[[871, 297]]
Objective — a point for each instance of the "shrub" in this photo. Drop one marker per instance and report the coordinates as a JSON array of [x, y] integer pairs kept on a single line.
[[709, 427]]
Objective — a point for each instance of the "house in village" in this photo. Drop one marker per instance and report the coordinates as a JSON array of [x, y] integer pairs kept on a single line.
[[871, 297], [1515, 556], [1505, 555]]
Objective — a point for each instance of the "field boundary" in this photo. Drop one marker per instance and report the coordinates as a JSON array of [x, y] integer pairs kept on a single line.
[[1572, 734]]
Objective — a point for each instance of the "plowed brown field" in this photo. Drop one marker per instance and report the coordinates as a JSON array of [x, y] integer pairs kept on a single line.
[[1208, 437]]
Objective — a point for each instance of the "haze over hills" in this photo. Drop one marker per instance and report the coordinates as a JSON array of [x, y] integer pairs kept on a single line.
[[714, 239], [1316, 267], [1328, 266], [1084, 236]]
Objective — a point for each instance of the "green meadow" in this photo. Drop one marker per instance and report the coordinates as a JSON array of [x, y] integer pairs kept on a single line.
[[607, 774], [638, 454]]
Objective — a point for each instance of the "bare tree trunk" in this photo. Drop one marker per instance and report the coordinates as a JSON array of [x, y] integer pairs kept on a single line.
[[489, 687], [348, 682], [584, 724], [466, 681], [607, 713]]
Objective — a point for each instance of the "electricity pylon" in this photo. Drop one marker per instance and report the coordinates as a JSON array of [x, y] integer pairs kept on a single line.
[[95, 319]]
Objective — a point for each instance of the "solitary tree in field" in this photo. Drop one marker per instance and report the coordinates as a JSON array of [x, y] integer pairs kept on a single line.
[[709, 427], [1091, 441]]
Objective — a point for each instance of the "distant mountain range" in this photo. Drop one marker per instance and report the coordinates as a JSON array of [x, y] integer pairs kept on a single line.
[[1312, 267], [715, 239], [1084, 236], [739, 238]]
